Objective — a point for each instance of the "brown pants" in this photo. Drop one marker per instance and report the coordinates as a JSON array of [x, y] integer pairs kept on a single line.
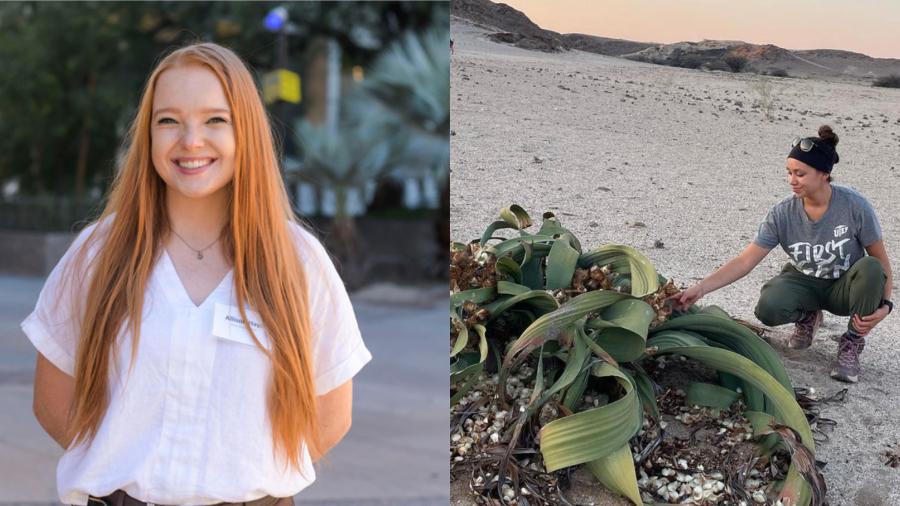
[[120, 498]]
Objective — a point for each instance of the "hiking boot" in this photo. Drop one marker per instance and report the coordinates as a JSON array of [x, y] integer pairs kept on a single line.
[[804, 330], [846, 367]]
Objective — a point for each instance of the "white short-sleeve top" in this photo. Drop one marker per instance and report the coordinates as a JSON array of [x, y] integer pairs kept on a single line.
[[189, 423]]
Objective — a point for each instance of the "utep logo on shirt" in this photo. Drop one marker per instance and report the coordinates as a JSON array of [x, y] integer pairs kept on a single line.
[[840, 230]]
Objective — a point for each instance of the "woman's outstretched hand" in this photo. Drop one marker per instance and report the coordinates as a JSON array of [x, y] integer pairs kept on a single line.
[[683, 300]]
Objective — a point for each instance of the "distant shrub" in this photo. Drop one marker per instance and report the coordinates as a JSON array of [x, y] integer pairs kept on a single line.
[[735, 62], [891, 81], [766, 97], [778, 73]]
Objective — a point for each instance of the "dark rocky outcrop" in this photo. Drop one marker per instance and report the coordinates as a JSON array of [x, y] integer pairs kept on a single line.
[[515, 27], [604, 45], [711, 54]]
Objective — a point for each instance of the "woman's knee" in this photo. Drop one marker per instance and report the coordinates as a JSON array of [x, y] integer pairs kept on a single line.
[[779, 302], [869, 269], [771, 312]]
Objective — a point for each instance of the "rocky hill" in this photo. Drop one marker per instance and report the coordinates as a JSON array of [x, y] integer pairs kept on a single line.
[[603, 45], [511, 26], [514, 27], [766, 59], [714, 55]]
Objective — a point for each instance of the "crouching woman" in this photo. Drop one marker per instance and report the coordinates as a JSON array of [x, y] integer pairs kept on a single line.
[[838, 262]]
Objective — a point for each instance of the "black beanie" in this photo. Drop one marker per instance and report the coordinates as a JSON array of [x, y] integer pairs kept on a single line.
[[821, 157]]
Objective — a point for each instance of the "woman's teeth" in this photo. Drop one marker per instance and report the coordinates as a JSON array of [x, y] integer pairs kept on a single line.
[[194, 164]]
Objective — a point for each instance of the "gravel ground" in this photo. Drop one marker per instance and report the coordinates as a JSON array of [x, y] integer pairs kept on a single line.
[[626, 152]]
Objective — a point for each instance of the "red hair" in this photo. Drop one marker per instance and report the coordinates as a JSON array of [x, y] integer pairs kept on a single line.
[[268, 275]]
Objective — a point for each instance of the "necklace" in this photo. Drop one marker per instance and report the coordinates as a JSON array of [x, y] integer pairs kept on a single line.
[[195, 250]]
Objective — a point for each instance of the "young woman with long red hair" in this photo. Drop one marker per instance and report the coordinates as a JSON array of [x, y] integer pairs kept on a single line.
[[196, 345]]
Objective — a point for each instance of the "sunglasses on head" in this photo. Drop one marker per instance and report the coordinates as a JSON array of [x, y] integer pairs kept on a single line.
[[806, 144]]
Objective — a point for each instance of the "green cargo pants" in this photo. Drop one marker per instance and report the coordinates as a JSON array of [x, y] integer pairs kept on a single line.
[[787, 296]]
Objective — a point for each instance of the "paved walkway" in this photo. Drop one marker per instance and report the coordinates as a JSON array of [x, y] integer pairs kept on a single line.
[[395, 454]]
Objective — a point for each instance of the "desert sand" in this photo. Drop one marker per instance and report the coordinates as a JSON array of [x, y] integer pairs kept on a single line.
[[634, 153]]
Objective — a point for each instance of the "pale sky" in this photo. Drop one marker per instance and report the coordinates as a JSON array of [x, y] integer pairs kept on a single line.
[[871, 27]]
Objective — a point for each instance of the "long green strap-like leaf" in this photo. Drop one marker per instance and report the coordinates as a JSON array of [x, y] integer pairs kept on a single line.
[[550, 325], [616, 471], [467, 362], [575, 365], [645, 390], [462, 338], [489, 231], [625, 260], [509, 269], [527, 254], [540, 245], [552, 227], [736, 337], [533, 273], [713, 310], [538, 300], [510, 288], [464, 387], [468, 366], [575, 392], [739, 339], [709, 395], [510, 217], [476, 295], [594, 347], [674, 338], [761, 422], [595, 433], [561, 263], [622, 329], [516, 215]]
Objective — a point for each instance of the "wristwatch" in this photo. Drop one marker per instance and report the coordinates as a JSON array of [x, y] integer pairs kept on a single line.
[[889, 304]]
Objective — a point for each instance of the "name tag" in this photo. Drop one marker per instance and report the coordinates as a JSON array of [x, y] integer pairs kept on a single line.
[[228, 324]]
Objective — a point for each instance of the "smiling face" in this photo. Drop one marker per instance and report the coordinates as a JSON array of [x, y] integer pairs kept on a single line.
[[805, 180], [191, 132]]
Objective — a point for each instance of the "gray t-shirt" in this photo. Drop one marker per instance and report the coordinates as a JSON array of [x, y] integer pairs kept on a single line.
[[828, 247]]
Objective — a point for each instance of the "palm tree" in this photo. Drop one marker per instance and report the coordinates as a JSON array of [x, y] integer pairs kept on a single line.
[[345, 161], [396, 123], [411, 79]]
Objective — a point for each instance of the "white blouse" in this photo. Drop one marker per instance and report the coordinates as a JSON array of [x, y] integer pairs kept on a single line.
[[189, 424]]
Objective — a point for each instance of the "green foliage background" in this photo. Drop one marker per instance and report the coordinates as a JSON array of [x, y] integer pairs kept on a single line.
[[71, 73]]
